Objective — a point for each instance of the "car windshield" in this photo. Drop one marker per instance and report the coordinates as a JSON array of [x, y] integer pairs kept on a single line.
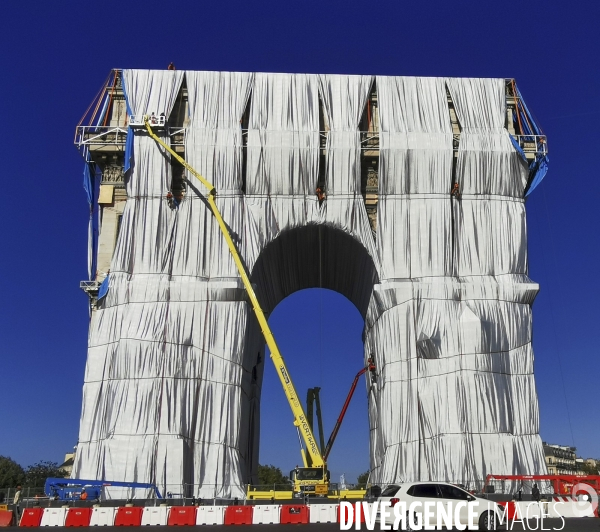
[[390, 491], [309, 473]]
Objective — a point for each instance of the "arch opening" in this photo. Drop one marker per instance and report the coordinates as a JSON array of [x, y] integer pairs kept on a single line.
[[315, 283], [314, 256]]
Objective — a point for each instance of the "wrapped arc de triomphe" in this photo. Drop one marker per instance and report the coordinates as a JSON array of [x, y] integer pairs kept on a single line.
[[175, 359]]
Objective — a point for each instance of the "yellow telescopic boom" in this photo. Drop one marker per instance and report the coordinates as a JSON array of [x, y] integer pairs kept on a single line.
[[290, 391]]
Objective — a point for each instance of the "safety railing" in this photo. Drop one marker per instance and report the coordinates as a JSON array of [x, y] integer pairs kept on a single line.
[[104, 136], [159, 121], [211, 494], [536, 144], [100, 136], [90, 287], [29, 496]]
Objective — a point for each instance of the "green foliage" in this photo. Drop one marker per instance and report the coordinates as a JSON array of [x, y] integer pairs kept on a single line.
[[269, 475], [589, 469], [361, 481], [36, 474], [11, 473]]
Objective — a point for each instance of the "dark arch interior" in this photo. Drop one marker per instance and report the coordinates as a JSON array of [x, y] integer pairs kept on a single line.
[[314, 256]]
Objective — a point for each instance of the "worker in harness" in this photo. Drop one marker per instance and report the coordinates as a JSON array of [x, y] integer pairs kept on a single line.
[[455, 192]]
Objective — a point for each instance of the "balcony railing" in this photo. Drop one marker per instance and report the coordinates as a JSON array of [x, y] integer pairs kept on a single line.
[[104, 136]]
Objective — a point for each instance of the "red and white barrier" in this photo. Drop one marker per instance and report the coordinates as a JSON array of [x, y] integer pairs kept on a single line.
[[129, 516], [323, 513], [560, 506], [570, 507], [155, 515], [6, 518], [54, 517], [265, 514], [182, 516], [361, 514], [293, 514], [31, 517], [103, 516], [210, 515], [78, 517], [238, 515]]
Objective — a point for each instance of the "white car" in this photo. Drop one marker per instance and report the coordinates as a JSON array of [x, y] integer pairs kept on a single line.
[[486, 514]]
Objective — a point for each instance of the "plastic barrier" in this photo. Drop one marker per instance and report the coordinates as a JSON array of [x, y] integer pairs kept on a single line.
[[510, 510], [566, 507], [361, 517], [210, 515], [78, 517], [293, 514], [155, 515], [31, 517], [6, 517], [54, 517], [238, 515], [265, 514], [129, 516], [103, 516], [182, 516], [323, 513]]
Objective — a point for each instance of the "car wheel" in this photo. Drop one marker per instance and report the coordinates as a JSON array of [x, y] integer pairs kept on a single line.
[[407, 525], [487, 521]]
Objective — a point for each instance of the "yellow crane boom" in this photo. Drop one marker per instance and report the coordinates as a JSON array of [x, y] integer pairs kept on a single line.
[[300, 421]]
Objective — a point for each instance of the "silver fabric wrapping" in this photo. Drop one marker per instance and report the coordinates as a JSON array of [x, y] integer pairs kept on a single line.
[[175, 358], [449, 324]]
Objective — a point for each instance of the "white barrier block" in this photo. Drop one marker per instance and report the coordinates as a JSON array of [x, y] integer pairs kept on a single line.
[[155, 515], [103, 516], [264, 514], [54, 517], [531, 509], [323, 513], [567, 507], [210, 515]]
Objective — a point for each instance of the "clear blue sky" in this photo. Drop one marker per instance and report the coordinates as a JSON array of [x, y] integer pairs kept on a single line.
[[54, 57]]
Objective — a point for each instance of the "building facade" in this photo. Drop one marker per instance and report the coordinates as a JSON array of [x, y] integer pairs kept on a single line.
[[561, 459]]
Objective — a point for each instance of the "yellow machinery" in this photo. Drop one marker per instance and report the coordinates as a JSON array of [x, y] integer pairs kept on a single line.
[[313, 478]]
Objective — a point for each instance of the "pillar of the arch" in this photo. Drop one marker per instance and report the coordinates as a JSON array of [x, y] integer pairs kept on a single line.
[[449, 326], [172, 386]]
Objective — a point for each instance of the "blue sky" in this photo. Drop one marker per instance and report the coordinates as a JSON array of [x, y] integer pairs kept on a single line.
[[54, 57]]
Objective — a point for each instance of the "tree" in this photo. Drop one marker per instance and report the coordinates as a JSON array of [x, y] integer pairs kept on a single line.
[[361, 481], [269, 475], [590, 469], [36, 474], [11, 473]]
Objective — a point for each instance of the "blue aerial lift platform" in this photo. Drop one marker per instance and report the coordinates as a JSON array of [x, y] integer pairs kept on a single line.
[[70, 489]]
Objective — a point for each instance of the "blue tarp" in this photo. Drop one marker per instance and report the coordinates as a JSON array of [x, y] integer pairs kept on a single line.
[[128, 150], [517, 147], [89, 175], [538, 168], [91, 181], [130, 135], [538, 171], [103, 290]]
